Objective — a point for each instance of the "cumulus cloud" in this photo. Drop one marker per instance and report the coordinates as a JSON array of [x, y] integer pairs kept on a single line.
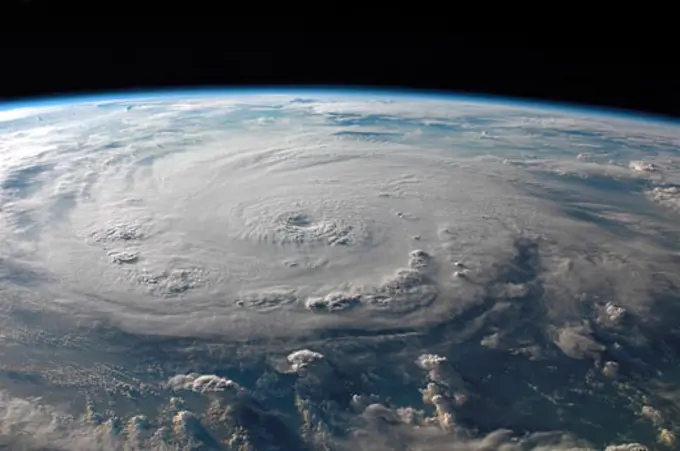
[[383, 428], [303, 358], [203, 383], [576, 341], [27, 424], [667, 196]]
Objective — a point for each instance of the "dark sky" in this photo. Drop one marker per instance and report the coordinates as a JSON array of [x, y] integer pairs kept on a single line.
[[620, 76]]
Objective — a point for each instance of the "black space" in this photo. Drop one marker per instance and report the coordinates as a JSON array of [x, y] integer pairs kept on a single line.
[[633, 77]]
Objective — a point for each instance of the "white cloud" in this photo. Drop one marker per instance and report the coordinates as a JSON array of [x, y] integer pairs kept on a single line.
[[203, 383], [12, 114], [386, 429], [303, 358]]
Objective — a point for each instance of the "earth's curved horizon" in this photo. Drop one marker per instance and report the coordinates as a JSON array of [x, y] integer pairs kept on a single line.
[[316, 269]]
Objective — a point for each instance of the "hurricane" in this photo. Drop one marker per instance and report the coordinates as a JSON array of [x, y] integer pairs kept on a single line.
[[331, 270]]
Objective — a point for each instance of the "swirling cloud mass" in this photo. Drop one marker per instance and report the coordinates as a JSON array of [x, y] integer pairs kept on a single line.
[[332, 271]]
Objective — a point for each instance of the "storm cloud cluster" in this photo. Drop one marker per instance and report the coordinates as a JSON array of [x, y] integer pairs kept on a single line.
[[336, 272]]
